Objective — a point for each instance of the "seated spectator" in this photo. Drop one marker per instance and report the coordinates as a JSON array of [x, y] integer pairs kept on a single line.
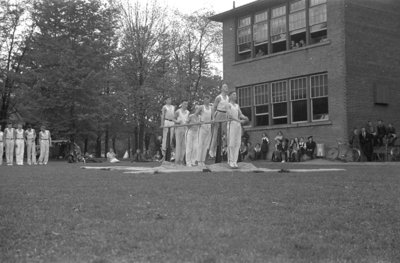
[[278, 139], [366, 142], [283, 150], [310, 147], [302, 148], [264, 146], [243, 151], [139, 157], [157, 157], [224, 153], [293, 150], [302, 43], [245, 136], [391, 134], [355, 139], [89, 158], [380, 133], [112, 157], [257, 152]]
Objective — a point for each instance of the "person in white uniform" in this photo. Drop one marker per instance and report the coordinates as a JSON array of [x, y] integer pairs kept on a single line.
[[167, 119], [205, 113], [192, 138], [111, 156], [30, 137], [9, 134], [181, 117], [45, 142], [220, 108], [19, 145], [234, 130], [1, 145]]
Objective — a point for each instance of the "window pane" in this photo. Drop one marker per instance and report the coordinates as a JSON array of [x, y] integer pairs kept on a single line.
[[260, 32], [279, 93], [262, 120], [297, 5], [319, 86], [278, 26], [298, 89], [318, 14], [244, 96], [279, 11], [299, 110], [261, 94], [317, 2], [297, 20], [262, 109], [320, 109], [280, 109], [245, 21], [280, 121], [244, 35], [263, 16]]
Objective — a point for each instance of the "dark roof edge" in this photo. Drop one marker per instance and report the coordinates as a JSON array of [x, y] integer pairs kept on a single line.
[[247, 7]]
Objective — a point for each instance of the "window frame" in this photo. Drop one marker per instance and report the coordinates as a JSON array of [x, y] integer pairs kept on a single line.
[[265, 102], [306, 98], [273, 117], [325, 88], [248, 36]]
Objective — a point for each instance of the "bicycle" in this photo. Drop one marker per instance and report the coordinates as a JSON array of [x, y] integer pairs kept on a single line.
[[344, 152]]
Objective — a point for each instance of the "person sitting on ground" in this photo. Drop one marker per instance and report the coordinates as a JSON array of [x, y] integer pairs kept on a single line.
[[243, 151], [366, 142], [293, 150], [371, 130], [157, 157], [391, 134], [138, 156], [89, 158], [310, 147], [380, 133], [112, 157], [264, 146], [147, 156], [302, 148], [257, 152], [283, 150]]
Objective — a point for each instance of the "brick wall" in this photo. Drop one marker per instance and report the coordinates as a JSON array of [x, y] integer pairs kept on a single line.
[[372, 60]]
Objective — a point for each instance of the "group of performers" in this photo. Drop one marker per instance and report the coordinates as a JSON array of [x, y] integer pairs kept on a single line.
[[196, 132], [17, 138]]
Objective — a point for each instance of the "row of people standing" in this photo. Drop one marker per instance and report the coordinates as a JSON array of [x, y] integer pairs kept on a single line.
[[13, 140], [192, 142]]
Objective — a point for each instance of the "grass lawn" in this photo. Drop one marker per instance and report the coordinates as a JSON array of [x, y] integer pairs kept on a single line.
[[61, 213]]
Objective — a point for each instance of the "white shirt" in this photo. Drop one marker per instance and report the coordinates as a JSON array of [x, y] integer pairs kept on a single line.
[[30, 135], [44, 135], [169, 112], [9, 133], [223, 103], [182, 116], [20, 134]]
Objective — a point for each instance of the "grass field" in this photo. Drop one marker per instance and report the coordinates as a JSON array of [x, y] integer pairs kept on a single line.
[[61, 213]]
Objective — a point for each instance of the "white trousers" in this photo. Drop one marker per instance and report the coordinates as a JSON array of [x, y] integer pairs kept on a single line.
[[180, 147], [44, 152], [19, 151], [204, 142], [31, 153], [192, 143], [10, 151], [1, 152], [234, 140], [164, 137]]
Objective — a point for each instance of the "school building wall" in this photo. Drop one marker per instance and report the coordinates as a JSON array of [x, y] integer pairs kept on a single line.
[[373, 61], [328, 56]]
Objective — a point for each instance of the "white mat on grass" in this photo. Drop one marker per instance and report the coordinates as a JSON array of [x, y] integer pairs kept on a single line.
[[218, 167]]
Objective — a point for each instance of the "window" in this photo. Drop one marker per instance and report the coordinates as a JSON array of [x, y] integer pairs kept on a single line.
[[279, 102], [245, 102], [278, 29], [319, 97], [297, 24], [261, 105], [244, 35], [298, 99], [317, 23], [260, 30]]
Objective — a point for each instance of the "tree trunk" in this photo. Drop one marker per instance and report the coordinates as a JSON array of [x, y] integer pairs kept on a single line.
[[106, 139], [141, 135], [135, 140], [129, 145], [85, 148], [98, 146], [113, 142]]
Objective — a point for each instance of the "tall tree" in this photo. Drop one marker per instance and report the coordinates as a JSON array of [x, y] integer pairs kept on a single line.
[[145, 52], [15, 31], [71, 52]]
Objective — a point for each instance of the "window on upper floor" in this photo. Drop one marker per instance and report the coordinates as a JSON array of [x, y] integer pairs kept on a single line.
[[297, 100], [294, 25]]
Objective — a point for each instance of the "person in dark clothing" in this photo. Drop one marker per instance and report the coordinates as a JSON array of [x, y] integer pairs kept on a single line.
[[391, 134], [380, 133], [366, 142], [264, 146], [310, 147]]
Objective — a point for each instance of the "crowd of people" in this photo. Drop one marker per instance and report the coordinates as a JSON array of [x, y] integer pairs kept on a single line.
[[370, 136], [14, 141]]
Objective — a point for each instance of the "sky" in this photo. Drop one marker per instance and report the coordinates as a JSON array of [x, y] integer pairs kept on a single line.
[[189, 6]]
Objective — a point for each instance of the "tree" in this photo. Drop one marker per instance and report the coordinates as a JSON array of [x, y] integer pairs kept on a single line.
[[15, 31], [71, 51]]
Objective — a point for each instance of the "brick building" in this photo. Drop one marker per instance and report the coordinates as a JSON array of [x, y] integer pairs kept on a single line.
[[313, 67]]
